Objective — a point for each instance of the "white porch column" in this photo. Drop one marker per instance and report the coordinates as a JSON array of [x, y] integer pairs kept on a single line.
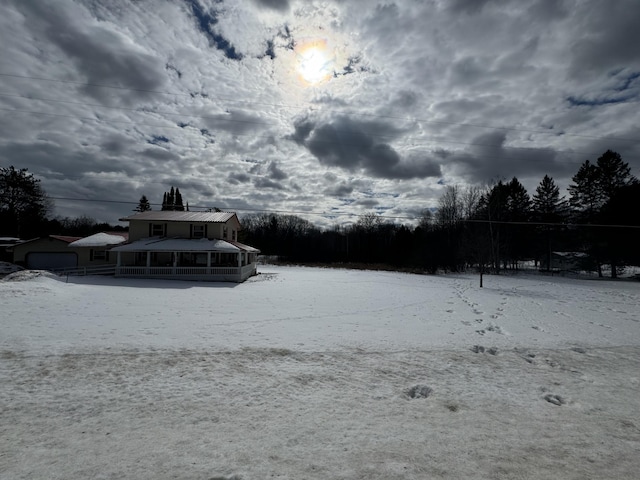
[[208, 262], [240, 260], [118, 259], [175, 262], [148, 261]]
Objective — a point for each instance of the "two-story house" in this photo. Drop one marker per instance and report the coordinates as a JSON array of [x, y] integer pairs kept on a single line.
[[185, 245]]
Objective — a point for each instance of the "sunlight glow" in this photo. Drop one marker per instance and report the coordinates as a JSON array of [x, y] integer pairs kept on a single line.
[[315, 63]]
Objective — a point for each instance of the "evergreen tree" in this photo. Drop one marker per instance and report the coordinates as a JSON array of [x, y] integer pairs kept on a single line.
[[171, 199], [23, 203], [548, 207], [585, 193], [518, 211], [518, 202], [617, 211], [143, 205], [502, 205], [178, 201], [613, 174], [594, 186], [492, 207]]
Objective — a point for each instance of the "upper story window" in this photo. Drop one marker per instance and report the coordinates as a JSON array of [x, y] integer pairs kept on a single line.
[[233, 235], [225, 232], [198, 231], [157, 230]]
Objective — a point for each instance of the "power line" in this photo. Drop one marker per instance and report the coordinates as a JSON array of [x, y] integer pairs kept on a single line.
[[351, 214], [568, 225], [208, 207], [280, 105]]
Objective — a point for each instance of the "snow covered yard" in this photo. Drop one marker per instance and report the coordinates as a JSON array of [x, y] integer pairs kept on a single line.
[[320, 374]]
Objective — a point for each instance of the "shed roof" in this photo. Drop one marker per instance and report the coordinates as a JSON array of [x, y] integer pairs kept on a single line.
[[172, 216]]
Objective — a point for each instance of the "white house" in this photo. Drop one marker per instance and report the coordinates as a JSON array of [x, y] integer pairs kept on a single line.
[[185, 245]]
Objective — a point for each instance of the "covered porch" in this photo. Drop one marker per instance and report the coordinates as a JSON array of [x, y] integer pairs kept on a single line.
[[186, 259]]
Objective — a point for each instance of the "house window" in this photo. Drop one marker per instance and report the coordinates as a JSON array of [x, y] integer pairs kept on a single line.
[[98, 255], [198, 231], [225, 232], [157, 229], [233, 235]]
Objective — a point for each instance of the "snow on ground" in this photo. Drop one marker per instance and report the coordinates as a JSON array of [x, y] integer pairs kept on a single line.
[[319, 374], [7, 268]]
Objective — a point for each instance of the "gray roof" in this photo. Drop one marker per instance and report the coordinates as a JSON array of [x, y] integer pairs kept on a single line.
[[157, 244], [164, 244], [171, 216]]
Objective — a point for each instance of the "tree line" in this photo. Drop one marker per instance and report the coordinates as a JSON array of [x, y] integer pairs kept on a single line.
[[25, 209], [494, 228]]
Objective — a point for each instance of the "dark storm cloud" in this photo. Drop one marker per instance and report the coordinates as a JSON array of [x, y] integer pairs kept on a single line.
[[159, 153], [41, 157], [405, 99], [609, 40], [100, 54], [237, 178], [276, 173], [264, 182], [233, 121], [489, 159], [359, 145], [341, 190], [278, 5], [302, 129], [549, 10], [115, 145], [471, 6], [367, 203]]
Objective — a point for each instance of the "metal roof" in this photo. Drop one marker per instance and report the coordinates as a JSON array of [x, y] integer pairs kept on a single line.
[[242, 246], [163, 244], [172, 216]]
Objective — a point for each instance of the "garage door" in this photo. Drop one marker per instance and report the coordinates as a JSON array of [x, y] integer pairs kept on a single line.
[[53, 260]]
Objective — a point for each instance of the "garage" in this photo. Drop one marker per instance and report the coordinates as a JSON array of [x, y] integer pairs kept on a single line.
[[46, 253], [51, 260]]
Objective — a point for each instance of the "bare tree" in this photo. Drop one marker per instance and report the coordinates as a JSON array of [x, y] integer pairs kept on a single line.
[[450, 207]]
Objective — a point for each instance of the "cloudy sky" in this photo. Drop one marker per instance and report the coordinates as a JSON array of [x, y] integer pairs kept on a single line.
[[323, 109]]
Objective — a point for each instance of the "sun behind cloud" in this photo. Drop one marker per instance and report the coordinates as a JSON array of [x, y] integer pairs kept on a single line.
[[315, 62]]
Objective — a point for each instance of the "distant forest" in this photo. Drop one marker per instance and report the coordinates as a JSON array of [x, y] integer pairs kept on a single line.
[[494, 228]]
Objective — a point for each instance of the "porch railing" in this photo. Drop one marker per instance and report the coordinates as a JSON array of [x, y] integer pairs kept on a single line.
[[224, 273], [80, 271]]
